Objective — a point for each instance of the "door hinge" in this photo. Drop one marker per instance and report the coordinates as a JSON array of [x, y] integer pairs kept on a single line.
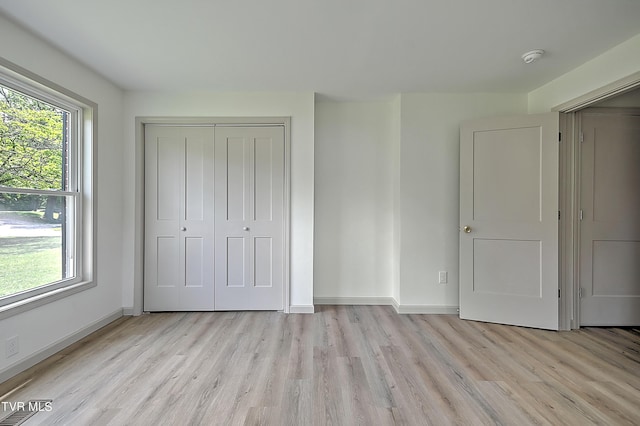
[[580, 293], [581, 137], [558, 214], [560, 137], [580, 214], [558, 293]]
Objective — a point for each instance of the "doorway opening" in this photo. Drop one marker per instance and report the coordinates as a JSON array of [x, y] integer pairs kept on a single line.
[[619, 95]]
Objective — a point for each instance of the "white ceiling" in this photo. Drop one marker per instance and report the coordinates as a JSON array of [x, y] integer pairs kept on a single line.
[[353, 49]]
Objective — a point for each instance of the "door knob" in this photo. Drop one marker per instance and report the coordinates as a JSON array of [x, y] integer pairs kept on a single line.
[[183, 229], [467, 229], [246, 228]]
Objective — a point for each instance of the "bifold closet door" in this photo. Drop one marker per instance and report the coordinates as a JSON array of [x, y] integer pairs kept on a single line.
[[178, 266], [249, 219]]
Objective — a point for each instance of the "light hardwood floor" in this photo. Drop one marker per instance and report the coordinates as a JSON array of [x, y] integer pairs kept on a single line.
[[343, 365]]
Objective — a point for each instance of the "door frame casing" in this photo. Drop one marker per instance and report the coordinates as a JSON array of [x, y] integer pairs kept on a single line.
[[570, 172], [139, 211], [567, 231]]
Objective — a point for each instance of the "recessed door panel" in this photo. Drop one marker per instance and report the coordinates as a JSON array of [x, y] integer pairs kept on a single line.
[[616, 268], [506, 174], [195, 185], [236, 177], [263, 261], [194, 262], [616, 174], [168, 178], [507, 267], [263, 179], [235, 262], [167, 261]]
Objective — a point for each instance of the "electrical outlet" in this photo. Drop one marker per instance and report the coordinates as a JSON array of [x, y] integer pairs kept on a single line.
[[443, 277], [12, 346]]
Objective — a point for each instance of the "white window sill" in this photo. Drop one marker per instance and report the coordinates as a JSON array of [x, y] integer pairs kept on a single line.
[[42, 299]]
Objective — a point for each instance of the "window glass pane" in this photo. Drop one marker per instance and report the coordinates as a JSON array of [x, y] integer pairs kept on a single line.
[[33, 142], [34, 235]]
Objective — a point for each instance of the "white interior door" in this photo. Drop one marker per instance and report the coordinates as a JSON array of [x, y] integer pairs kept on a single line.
[[178, 265], [609, 229], [249, 220], [509, 183]]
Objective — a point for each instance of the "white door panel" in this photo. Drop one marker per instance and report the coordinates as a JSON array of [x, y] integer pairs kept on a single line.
[[194, 262], [263, 261], [197, 165], [509, 201], [513, 276], [609, 230], [235, 261], [249, 194], [163, 177], [513, 153], [178, 267]]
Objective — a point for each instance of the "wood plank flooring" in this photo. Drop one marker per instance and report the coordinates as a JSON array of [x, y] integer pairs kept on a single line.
[[344, 365]]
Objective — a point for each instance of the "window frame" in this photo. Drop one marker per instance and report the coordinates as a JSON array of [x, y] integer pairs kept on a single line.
[[82, 186]]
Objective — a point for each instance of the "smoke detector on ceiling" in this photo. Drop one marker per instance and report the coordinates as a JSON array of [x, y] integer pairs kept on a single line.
[[532, 56]]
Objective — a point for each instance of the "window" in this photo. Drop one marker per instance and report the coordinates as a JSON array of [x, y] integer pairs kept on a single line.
[[46, 240]]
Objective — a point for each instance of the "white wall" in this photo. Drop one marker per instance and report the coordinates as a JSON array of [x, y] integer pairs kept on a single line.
[[45, 326], [396, 138], [354, 199], [619, 62], [298, 106], [429, 189], [387, 196]]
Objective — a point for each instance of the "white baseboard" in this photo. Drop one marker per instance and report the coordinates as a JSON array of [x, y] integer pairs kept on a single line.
[[395, 305], [426, 309], [56, 347], [401, 309], [127, 311], [353, 300], [301, 309]]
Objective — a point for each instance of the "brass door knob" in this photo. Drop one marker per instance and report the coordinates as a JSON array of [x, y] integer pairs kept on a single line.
[[467, 229]]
